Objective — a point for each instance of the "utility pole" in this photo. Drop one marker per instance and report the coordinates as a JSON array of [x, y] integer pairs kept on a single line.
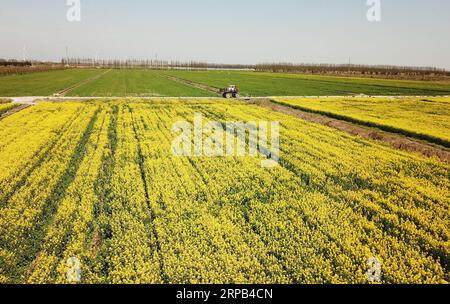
[[67, 55]]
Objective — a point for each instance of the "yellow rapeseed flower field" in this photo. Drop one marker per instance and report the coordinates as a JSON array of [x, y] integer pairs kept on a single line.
[[97, 181], [425, 118]]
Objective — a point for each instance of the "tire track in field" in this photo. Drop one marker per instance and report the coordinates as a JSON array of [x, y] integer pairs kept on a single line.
[[104, 191], [41, 157], [193, 84], [205, 183], [245, 210], [33, 243], [81, 83], [60, 248], [393, 140], [141, 160], [437, 252]]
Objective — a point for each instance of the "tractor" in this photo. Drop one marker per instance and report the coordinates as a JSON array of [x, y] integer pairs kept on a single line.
[[231, 92]]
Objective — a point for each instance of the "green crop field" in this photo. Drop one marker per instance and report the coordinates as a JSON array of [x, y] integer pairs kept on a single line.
[[421, 118], [136, 83], [43, 84], [270, 84], [140, 83]]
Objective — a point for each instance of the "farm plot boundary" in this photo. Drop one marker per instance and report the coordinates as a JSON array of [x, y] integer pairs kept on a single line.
[[81, 83], [386, 136], [14, 110], [384, 127]]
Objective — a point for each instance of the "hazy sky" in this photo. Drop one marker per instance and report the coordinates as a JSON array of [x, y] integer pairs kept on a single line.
[[411, 32]]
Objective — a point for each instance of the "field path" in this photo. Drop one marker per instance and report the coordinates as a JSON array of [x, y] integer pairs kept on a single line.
[[396, 141], [15, 110], [79, 84], [193, 84]]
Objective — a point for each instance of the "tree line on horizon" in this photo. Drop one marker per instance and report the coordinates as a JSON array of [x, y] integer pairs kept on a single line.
[[148, 63], [8, 67], [265, 67], [352, 69]]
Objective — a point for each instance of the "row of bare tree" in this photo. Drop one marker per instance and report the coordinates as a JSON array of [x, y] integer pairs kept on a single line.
[[148, 64], [12, 62], [351, 69], [8, 67], [15, 67]]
